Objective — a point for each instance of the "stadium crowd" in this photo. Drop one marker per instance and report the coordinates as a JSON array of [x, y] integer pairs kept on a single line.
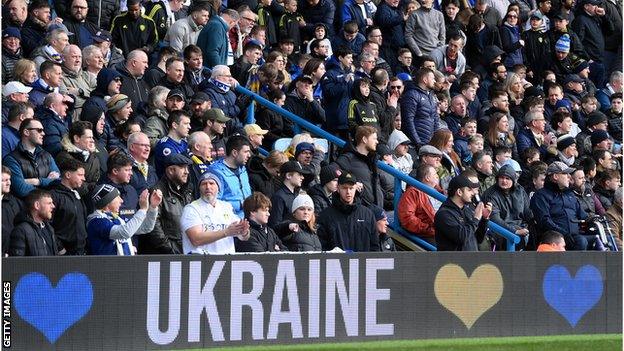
[[123, 132]]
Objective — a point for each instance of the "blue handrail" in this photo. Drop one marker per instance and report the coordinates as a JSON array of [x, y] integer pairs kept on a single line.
[[512, 238]]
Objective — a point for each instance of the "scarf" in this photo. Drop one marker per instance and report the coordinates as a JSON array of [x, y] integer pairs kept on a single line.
[[222, 87], [568, 161], [53, 54]]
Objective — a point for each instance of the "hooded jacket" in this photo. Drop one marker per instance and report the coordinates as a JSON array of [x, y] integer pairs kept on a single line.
[[364, 169], [349, 227], [419, 114], [262, 239], [70, 216], [32, 239], [99, 95], [92, 114], [511, 208], [336, 96], [54, 127]]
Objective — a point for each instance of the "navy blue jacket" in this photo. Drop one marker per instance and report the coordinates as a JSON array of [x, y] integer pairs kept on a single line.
[[38, 93], [323, 12], [419, 114], [556, 209], [224, 101], [352, 12], [592, 31], [10, 138], [510, 37], [525, 140], [355, 45], [390, 21], [336, 96], [54, 127]]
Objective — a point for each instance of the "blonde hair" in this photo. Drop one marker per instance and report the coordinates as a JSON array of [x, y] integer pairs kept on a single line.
[[23, 66]]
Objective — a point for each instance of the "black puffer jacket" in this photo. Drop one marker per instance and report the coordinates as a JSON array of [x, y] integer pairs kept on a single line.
[[70, 216], [33, 35], [319, 198], [262, 239], [166, 238], [604, 195], [278, 126], [349, 227], [511, 208], [303, 240], [134, 87], [30, 239], [260, 179]]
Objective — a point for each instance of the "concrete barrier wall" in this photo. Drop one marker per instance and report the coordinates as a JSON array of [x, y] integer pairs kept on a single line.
[[169, 302]]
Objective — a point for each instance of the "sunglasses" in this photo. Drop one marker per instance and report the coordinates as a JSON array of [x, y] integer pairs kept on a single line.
[[398, 87], [38, 130]]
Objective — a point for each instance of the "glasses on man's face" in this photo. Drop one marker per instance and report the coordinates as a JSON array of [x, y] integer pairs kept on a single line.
[[249, 19], [38, 130], [145, 146]]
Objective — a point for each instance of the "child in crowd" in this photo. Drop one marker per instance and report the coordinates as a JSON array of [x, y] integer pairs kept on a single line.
[[290, 24]]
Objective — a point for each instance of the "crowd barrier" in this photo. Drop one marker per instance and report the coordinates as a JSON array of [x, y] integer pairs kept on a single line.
[[173, 302]]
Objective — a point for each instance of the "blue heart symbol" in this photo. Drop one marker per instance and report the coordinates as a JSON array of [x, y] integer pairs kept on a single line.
[[53, 310], [572, 297]]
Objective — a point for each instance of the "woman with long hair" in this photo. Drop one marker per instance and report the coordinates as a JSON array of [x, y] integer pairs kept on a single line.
[[450, 165], [315, 68], [510, 39], [499, 134], [515, 89], [279, 61], [299, 232], [25, 72]]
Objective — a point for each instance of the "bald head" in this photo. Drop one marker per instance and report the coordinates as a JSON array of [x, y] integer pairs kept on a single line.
[[136, 63], [200, 144]]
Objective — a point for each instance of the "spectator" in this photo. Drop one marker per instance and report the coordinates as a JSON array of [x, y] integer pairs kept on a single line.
[[119, 108], [490, 15], [132, 83], [372, 48], [510, 39], [405, 62], [79, 144], [17, 13], [459, 111], [350, 37], [592, 27], [566, 150], [49, 82], [217, 216], [134, 31], [483, 45], [337, 85], [262, 238], [462, 140], [12, 93], [119, 175], [143, 173], [450, 165], [614, 114], [390, 19], [10, 132], [483, 165], [194, 71], [108, 84], [31, 166], [199, 151], [385, 96], [607, 183], [500, 134], [214, 125], [614, 215], [613, 86], [425, 30], [113, 56], [449, 58], [459, 227], [360, 160], [247, 62], [552, 242], [361, 110], [33, 235], [11, 52], [360, 13], [419, 109], [511, 204], [70, 213], [198, 107], [264, 173], [101, 13], [179, 125], [318, 11], [416, 210], [53, 115], [93, 62], [348, 224], [301, 102], [177, 193], [386, 244], [292, 175], [537, 51], [601, 140], [298, 231], [233, 173], [213, 39], [268, 11], [590, 203], [219, 89], [604, 161], [534, 135], [399, 143], [156, 72], [11, 207], [35, 26], [255, 134], [164, 13], [174, 78], [556, 208], [77, 23], [322, 192], [109, 233], [96, 117]]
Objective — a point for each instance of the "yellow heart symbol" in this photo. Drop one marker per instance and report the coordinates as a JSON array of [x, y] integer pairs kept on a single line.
[[468, 298]]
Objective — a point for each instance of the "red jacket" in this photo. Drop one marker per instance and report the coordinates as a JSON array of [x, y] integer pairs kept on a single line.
[[416, 213]]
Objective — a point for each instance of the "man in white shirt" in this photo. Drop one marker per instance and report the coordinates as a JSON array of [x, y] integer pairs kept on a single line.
[[208, 224]]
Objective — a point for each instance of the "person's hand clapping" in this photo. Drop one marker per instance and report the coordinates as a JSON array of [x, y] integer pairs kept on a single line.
[[478, 213], [144, 200], [487, 210], [156, 198]]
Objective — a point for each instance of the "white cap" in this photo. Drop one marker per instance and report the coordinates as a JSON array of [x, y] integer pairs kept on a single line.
[[15, 87], [300, 201]]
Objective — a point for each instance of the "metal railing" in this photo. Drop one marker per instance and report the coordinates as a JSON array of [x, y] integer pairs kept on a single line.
[[512, 238]]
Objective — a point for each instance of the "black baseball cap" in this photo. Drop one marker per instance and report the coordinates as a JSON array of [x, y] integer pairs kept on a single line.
[[346, 178]]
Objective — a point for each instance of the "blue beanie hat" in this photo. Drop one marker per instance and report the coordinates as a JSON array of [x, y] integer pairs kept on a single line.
[[563, 44]]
